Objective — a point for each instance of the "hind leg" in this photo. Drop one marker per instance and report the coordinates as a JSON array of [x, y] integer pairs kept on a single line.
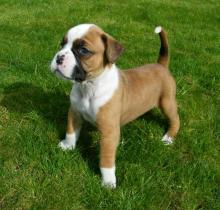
[[169, 107]]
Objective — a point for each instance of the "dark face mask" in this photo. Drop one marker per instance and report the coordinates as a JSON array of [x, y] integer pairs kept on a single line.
[[79, 74]]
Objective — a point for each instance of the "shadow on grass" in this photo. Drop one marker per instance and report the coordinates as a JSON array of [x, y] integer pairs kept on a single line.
[[22, 98], [156, 117], [88, 149]]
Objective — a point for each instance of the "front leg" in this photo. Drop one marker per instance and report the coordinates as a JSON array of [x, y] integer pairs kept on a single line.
[[110, 134], [74, 122]]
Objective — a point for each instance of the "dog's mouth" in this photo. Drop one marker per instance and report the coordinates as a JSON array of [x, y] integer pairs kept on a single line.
[[59, 73], [76, 76]]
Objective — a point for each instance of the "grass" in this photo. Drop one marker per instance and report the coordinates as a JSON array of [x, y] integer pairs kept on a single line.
[[35, 174]]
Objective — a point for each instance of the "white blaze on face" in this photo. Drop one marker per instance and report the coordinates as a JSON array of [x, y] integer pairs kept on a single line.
[[66, 67]]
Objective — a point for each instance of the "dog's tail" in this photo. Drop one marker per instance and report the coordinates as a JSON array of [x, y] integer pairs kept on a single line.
[[163, 58]]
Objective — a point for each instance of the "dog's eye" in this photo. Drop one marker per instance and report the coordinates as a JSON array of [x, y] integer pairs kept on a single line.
[[83, 51]]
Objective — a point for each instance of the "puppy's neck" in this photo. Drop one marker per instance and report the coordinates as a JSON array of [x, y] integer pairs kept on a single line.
[[105, 83], [108, 70]]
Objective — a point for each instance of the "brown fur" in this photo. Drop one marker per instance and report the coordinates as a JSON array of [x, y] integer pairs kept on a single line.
[[140, 90], [74, 121]]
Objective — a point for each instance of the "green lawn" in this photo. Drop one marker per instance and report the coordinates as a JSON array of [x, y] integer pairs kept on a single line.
[[36, 174]]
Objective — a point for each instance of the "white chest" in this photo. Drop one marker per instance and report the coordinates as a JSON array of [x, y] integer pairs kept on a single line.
[[84, 103], [87, 98]]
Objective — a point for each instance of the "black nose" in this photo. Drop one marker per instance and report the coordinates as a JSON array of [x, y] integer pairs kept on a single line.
[[59, 59]]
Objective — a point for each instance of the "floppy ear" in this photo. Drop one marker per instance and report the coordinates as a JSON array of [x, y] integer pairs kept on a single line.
[[113, 49]]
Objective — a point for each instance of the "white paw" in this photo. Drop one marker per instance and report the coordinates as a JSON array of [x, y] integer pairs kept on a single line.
[[69, 143], [111, 185], [65, 145], [108, 177], [167, 139]]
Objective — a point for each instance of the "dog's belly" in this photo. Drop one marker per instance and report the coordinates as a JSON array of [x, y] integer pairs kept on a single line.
[[137, 105], [136, 111]]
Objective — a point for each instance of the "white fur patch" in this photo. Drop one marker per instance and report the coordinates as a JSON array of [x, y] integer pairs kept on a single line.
[[69, 143], [158, 29], [108, 177], [167, 139], [89, 96], [77, 32]]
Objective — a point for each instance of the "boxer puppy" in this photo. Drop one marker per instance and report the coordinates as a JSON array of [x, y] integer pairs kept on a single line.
[[110, 98]]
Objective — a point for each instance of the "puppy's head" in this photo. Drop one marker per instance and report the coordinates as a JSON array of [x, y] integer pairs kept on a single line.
[[85, 51]]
